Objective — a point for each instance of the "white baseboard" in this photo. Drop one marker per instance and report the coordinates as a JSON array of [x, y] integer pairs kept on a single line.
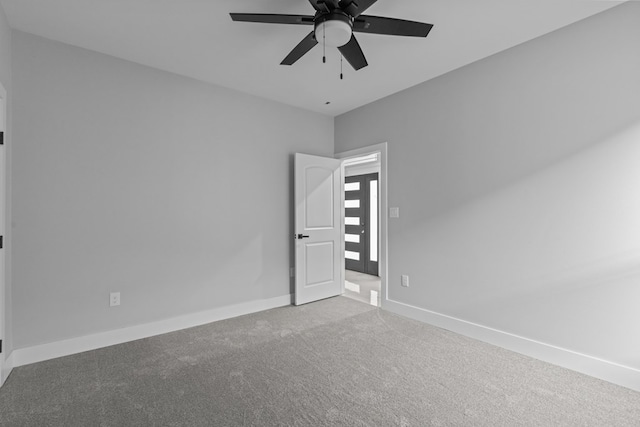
[[6, 369], [39, 353], [589, 365]]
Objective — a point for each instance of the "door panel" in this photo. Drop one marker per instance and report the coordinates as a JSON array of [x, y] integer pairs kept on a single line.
[[361, 229], [371, 263], [319, 203], [354, 220], [320, 263], [317, 227]]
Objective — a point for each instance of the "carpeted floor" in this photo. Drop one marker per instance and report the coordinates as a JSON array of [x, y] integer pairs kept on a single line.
[[336, 362]]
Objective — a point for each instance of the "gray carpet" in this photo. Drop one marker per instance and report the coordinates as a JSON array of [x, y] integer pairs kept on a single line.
[[336, 362]]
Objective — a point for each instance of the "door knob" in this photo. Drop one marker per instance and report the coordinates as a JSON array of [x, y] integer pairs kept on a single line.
[[301, 236]]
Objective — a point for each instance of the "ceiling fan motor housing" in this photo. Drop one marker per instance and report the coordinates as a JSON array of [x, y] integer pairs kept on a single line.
[[334, 28]]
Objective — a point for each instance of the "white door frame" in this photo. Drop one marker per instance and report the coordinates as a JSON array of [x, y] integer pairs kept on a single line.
[[3, 205], [383, 255]]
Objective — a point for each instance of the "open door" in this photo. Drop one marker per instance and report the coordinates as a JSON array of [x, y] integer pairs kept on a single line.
[[318, 228]]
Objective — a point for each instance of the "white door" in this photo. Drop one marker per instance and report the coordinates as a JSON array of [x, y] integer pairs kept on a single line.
[[318, 228]]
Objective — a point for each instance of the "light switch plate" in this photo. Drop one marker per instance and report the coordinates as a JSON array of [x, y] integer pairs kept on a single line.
[[394, 212]]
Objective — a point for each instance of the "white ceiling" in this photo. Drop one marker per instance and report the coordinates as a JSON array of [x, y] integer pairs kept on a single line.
[[196, 38]]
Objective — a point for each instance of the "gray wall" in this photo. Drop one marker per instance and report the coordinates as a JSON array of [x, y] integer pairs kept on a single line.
[[5, 78], [517, 181], [5, 50], [174, 192]]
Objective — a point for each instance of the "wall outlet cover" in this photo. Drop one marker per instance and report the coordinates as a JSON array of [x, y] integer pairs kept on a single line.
[[114, 299]]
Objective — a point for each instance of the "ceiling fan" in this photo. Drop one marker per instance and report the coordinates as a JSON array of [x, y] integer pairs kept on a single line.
[[334, 23]]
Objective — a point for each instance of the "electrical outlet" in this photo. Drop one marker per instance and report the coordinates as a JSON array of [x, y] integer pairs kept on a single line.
[[405, 281], [114, 299]]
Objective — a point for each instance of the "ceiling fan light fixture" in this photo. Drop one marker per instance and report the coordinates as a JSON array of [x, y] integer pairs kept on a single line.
[[333, 26], [334, 31]]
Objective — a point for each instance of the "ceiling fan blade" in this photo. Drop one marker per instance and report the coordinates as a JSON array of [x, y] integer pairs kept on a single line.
[[362, 6], [271, 18], [350, 7], [390, 26], [316, 5], [352, 52], [303, 47], [324, 5]]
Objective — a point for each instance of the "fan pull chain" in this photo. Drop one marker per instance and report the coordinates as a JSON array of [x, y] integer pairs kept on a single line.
[[324, 46], [341, 66]]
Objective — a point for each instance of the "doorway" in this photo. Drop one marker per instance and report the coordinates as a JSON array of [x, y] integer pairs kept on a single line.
[[365, 247], [317, 191]]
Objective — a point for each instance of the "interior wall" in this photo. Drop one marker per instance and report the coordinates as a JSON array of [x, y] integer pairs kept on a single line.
[[5, 50], [517, 181], [5, 79], [173, 192]]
